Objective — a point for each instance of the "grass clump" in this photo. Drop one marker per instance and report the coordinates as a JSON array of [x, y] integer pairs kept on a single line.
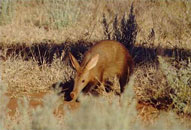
[[6, 11], [179, 79], [62, 13], [25, 77], [166, 86], [151, 87], [39, 118], [43, 118]]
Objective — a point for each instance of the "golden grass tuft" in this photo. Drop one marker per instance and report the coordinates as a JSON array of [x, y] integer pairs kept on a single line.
[[151, 86], [25, 77]]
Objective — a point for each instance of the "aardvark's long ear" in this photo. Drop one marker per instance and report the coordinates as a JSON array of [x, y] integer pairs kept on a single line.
[[92, 62], [74, 62]]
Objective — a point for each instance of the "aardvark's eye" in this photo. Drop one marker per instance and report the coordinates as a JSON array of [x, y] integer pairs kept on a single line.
[[83, 81]]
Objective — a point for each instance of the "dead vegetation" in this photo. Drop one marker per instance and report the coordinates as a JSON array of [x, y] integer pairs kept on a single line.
[[36, 36], [52, 21]]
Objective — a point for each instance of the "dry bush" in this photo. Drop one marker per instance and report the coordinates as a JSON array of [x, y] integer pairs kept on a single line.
[[151, 87], [100, 114], [166, 87], [179, 79], [44, 117]]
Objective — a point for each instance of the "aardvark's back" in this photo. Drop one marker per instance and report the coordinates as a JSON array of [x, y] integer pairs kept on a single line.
[[114, 59]]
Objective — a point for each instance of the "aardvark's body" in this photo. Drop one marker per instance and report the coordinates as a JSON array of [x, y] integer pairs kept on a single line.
[[104, 60]]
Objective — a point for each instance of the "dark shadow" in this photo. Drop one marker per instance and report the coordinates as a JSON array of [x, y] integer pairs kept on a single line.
[[46, 52], [142, 55], [64, 89]]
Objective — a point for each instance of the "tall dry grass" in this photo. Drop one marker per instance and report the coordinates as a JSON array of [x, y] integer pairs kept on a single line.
[[25, 77], [160, 23], [56, 21]]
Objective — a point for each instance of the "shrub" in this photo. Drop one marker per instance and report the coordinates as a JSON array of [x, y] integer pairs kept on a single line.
[[62, 13], [151, 87], [179, 79], [124, 32]]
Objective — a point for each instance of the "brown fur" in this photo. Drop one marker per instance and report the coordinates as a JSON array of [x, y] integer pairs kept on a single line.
[[105, 59]]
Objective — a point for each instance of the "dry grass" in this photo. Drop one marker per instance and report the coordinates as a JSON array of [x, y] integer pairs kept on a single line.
[[171, 26], [151, 87], [25, 77], [93, 113], [36, 22], [178, 75], [148, 102]]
